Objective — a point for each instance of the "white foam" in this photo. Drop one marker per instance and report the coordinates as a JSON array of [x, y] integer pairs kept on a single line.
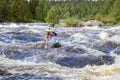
[[104, 35], [104, 72], [115, 38]]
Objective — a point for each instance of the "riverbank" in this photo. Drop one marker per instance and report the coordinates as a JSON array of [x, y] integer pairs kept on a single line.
[[89, 23]]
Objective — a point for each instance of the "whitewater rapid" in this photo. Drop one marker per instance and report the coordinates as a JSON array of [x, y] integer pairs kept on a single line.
[[86, 53]]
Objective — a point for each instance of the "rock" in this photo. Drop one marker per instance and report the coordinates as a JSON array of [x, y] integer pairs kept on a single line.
[[93, 23], [2, 72], [56, 45], [80, 24]]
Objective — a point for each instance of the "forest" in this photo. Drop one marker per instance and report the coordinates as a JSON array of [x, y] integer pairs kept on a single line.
[[106, 11]]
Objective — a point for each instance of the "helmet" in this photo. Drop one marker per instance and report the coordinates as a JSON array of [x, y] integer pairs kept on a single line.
[[49, 30]]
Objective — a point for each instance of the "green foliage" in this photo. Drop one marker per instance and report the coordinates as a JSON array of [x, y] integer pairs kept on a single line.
[[118, 19], [67, 14], [52, 16], [32, 7], [4, 10], [112, 11], [108, 20], [41, 10], [115, 11], [107, 11], [20, 11], [108, 4], [71, 22], [98, 17]]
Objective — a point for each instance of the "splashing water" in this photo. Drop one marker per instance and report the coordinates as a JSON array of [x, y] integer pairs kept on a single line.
[[88, 53]]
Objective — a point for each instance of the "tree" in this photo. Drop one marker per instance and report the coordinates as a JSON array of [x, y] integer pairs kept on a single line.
[[112, 13], [67, 14], [32, 6], [52, 16], [108, 4], [20, 11], [4, 10], [115, 11], [41, 10]]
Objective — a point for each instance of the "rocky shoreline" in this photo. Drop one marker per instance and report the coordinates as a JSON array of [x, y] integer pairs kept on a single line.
[[90, 23]]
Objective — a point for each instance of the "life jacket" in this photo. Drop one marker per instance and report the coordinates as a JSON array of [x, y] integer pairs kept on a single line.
[[48, 35]]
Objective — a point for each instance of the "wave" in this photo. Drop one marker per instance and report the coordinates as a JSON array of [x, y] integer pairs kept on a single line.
[[87, 53]]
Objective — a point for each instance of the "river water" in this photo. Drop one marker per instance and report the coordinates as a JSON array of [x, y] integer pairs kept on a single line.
[[86, 53]]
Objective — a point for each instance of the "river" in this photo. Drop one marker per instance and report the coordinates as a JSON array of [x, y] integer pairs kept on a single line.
[[86, 53]]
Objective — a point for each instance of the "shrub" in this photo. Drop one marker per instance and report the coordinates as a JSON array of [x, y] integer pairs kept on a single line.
[[52, 17], [71, 22], [109, 20]]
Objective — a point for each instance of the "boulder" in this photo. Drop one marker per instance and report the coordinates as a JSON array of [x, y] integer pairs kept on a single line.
[[80, 24], [2, 72], [56, 45], [93, 23]]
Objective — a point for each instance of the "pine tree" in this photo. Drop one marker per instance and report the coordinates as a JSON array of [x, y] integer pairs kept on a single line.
[[67, 15], [115, 11], [52, 16], [4, 10], [32, 6], [108, 4], [41, 10], [20, 11]]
